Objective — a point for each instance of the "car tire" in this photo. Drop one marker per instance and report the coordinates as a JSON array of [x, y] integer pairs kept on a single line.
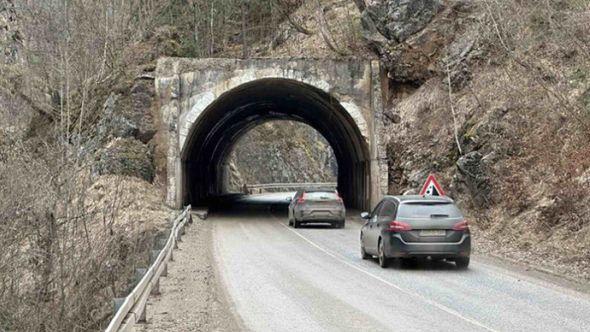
[[364, 254], [341, 224], [383, 260], [462, 262]]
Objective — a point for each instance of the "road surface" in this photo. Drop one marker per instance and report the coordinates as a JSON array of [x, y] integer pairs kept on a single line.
[[313, 279]]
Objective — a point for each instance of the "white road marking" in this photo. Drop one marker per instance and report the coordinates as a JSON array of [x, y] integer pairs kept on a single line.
[[427, 300]]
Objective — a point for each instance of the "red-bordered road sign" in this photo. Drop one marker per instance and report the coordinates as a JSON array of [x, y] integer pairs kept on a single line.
[[431, 187]]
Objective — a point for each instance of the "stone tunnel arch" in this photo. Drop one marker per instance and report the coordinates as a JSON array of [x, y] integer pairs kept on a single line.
[[200, 96], [218, 124]]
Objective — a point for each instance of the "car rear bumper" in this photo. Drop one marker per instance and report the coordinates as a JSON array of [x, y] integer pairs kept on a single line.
[[395, 246], [316, 218], [320, 216]]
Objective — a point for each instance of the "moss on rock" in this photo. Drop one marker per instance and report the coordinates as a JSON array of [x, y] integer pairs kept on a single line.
[[127, 156]]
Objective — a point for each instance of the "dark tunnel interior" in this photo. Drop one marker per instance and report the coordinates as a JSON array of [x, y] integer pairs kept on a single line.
[[240, 109]]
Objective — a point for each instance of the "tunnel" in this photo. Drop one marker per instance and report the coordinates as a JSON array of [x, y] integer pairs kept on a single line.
[[232, 114]]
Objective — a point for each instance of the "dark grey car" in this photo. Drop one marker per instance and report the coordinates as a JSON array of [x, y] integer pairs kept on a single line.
[[416, 226], [317, 206]]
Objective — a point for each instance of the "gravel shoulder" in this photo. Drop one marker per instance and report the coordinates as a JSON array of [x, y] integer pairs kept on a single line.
[[542, 264], [191, 297]]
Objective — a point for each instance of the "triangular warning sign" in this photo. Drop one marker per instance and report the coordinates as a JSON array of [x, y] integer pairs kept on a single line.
[[431, 187]]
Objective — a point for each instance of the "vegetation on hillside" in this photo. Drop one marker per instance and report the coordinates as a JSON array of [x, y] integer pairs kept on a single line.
[[492, 95], [79, 206]]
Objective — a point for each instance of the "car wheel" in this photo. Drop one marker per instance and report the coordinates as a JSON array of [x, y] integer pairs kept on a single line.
[[364, 254], [462, 262], [383, 260]]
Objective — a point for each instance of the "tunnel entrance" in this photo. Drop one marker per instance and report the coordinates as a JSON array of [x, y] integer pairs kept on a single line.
[[233, 113]]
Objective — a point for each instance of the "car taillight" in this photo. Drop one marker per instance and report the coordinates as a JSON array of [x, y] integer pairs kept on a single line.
[[340, 198], [301, 199], [461, 226], [398, 226]]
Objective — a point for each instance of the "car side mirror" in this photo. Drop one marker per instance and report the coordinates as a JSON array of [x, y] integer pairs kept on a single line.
[[365, 215]]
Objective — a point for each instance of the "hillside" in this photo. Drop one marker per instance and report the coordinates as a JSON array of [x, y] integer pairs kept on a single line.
[[492, 96]]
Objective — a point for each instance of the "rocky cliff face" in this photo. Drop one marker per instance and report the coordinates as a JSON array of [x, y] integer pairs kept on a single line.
[[491, 98], [281, 152], [10, 36]]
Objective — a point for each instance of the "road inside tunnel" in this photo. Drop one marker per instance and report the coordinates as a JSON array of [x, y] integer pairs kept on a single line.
[[235, 112]]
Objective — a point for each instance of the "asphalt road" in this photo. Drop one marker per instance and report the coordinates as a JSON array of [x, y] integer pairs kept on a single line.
[[313, 279]]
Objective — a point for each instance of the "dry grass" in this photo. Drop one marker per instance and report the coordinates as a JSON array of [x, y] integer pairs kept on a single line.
[[343, 23], [68, 238]]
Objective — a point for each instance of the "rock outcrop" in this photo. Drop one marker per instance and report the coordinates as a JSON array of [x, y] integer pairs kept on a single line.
[[130, 115], [127, 156], [412, 36], [263, 155], [472, 173], [113, 123], [10, 36], [397, 20]]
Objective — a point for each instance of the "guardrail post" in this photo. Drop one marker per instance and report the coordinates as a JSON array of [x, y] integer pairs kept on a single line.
[[164, 269], [142, 316], [156, 287]]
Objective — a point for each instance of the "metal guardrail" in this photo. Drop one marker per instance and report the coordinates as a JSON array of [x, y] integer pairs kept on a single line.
[[291, 185], [132, 307]]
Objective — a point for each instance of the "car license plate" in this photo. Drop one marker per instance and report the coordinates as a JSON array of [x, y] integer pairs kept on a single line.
[[433, 232]]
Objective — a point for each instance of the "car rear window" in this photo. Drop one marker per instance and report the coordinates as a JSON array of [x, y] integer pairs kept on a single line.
[[321, 196], [429, 210]]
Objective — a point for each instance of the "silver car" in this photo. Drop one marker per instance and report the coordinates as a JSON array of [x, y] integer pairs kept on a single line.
[[408, 227], [317, 206]]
